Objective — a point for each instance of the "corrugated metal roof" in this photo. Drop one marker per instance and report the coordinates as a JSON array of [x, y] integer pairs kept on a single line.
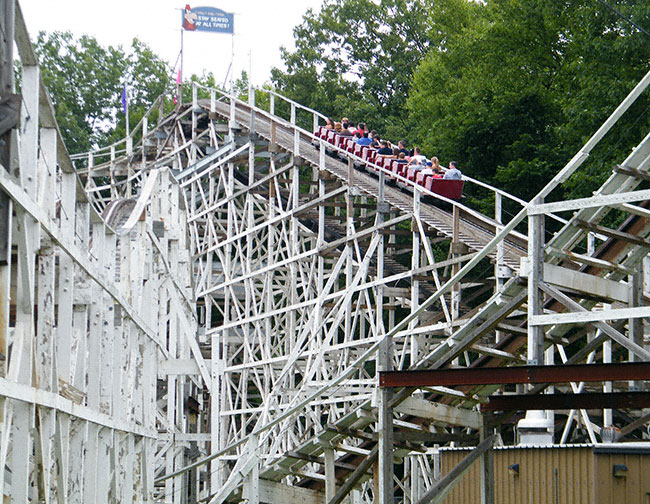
[[632, 446]]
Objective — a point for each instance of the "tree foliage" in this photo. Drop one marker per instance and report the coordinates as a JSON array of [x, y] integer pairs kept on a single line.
[[509, 88], [519, 92], [86, 79], [356, 58]]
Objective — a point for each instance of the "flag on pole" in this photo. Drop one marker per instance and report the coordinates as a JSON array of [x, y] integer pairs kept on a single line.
[[178, 76], [124, 98]]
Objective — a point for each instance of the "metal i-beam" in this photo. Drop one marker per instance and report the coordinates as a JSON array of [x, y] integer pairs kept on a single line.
[[514, 375], [590, 400]]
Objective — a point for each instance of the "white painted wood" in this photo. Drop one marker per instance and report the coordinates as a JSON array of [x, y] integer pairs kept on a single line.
[[579, 317], [586, 283], [598, 201], [295, 299], [29, 395], [440, 412], [271, 491]]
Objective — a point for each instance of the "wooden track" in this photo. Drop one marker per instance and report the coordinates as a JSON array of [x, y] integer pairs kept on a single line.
[[475, 232]]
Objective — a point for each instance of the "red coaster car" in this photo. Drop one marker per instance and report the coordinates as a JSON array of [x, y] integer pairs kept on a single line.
[[451, 189]]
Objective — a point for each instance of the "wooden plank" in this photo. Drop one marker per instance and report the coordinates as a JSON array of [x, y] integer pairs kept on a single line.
[[441, 489], [585, 283], [612, 233], [440, 412], [271, 491]]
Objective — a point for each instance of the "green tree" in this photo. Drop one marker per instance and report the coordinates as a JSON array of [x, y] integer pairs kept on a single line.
[[86, 80], [356, 57], [513, 95]]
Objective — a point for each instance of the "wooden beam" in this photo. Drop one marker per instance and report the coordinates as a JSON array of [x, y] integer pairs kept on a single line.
[[585, 283], [358, 473], [272, 491], [632, 172], [612, 233], [450, 415], [441, 489]]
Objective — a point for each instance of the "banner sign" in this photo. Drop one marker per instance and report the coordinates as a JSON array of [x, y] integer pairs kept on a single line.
[[208, 19]]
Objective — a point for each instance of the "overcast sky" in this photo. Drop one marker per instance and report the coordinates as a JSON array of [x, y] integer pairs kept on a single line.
[[261, 27]]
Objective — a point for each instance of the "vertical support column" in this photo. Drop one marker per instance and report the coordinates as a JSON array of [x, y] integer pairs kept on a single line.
[[251, 487], [536, 265], [608, 385], [7, 23], [349, 246], [498, 264], [415, 264], [7, 144], [91, 475], [320, 260], [232, 123], [549, 360], [251, 102], [535, 342], [216, 371], [45, 367], [114, 191], [293, 250], [78, 429], [635, 325], [455, 247], [28, 242], [195, 107], [384, 363], [330, 474], [486, 468], [66, 276]]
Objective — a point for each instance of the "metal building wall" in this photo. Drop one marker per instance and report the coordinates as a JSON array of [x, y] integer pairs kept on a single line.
[[633, 488], [546, 476]]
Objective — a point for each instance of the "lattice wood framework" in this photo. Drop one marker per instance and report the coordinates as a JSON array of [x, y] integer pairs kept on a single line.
[[298, 266], [208, 322], [88, 310]]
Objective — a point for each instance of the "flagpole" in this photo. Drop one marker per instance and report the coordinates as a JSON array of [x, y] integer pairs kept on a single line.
[[232, 61], [179, 91], [126, 95]]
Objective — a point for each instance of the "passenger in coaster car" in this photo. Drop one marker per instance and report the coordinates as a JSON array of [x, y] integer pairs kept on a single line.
[[417, 161], [453, 173], [361, 128], [436, 168], [345, 131], [364, 140], [338, 127], [428, 169], [330, 123], [401, 145], [384, 150], [351, 127]]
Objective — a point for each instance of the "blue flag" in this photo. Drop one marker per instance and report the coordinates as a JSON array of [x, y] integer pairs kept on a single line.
[[124, 99]]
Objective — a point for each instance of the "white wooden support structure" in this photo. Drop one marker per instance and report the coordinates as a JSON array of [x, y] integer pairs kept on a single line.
[[219, 335]]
